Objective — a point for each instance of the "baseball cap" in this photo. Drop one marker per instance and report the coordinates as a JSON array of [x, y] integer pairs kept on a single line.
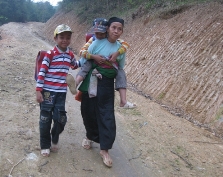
[[99, 25], [62, 28]]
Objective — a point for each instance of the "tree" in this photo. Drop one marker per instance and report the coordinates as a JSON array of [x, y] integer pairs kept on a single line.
[[25, 10]]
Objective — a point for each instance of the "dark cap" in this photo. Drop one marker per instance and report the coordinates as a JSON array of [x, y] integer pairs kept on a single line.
[[115, 19]]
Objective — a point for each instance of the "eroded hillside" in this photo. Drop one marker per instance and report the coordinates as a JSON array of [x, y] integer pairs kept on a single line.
[[175, 59]]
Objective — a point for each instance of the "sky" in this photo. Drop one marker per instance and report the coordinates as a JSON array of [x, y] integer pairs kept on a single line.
[[52, 2]]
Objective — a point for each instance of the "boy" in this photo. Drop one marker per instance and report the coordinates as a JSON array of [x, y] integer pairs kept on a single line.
[[51, 89], [100, 28]]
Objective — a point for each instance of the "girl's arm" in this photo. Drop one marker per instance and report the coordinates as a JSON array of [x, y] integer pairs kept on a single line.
[[120, 51], [86, 54]]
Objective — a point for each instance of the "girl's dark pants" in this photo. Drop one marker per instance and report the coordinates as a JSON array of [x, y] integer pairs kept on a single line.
[[52, 108], [98, 114]]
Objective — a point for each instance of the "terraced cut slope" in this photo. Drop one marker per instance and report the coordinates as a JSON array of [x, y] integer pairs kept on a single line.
[[181, 62], [175, 59]]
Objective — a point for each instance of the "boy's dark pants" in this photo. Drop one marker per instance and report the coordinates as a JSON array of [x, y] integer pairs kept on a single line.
[[52, 108]]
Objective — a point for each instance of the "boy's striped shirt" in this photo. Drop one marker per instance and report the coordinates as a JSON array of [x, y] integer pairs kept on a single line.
[[53, 72]]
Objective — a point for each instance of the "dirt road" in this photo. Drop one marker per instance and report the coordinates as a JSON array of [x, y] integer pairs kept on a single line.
[[150, 141]]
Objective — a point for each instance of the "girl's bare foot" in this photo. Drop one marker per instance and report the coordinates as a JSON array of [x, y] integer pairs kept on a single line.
[[86, 143], [106, 158]]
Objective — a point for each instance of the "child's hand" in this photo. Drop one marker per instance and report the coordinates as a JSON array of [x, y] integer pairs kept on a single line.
[[75, 64], [98, 58], [39, 97], [99, 76], [113, 57]]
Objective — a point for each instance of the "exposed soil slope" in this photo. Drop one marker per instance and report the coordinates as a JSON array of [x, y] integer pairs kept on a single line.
[[150, 141], [175, 59]]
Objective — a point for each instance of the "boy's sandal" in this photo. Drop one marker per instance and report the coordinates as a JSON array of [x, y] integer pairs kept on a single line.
[[86, 143], [45, 152], [128, 105], [54, 148], [71, 83]]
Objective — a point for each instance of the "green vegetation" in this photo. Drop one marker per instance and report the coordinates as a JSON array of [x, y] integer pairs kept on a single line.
[[131, 112], [90, 9], [161, 95], [219, 114], [24, 11], [86, 10]]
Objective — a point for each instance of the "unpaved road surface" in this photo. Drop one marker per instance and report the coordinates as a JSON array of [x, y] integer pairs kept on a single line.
[[150, 141]]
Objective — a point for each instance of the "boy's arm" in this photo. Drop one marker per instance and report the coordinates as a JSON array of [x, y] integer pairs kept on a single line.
[[43, 70], [84, 50], [74, 63], [120, 51], [39, 97]]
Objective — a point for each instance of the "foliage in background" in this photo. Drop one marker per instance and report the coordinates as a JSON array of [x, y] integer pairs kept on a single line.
[[24, 11], [90, 9], [86, 10]]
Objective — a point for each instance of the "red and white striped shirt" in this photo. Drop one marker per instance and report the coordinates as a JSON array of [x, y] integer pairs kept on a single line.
[[54, 69]]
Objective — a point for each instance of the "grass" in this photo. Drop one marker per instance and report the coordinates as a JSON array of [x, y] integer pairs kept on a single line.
[[132, 112], [161, 95], [219, 114]]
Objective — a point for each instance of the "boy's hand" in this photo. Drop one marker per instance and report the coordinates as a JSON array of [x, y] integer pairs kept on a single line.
[[113, 57], [74, 64], [39, 97], [98, 58]]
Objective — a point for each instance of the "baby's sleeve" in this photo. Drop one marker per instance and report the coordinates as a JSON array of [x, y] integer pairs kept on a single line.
[[124, 46], [84, 50]]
